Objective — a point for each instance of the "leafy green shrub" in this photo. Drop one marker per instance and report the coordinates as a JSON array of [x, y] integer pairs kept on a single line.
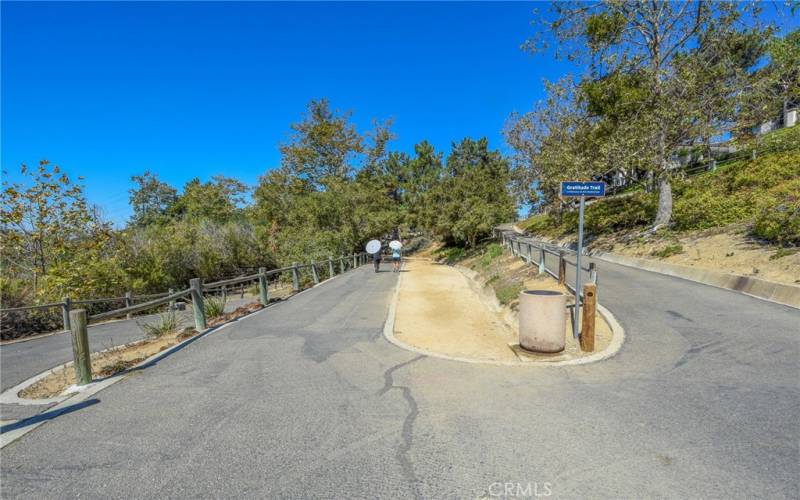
[[507, 293], [614, 214], [667, 251], [451, 255], [492, 252], [214, 307], [705, 208], [167, 323], [778, 217]]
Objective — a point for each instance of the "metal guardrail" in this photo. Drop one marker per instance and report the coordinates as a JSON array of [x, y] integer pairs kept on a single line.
[[515, 244], [195, 291]]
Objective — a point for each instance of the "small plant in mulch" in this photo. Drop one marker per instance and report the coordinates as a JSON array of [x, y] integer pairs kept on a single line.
[[214, 307], [118, 366], [667, 251], [167, 322]]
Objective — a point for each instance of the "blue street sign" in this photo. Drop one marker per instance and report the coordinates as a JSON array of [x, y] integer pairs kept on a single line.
[[589, 189]]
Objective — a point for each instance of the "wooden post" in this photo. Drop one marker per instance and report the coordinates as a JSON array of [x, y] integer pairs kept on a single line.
[[263, 286], [66, 305], [295, 278], [80, 346], [224, 293], [197, 304], [541, 261], [314, 273], [171, 302], [128, 303], [588, 317], [330, 267], [562, 268], [241, 291]]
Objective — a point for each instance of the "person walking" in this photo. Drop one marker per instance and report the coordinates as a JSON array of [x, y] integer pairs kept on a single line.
[[396, 260], [376, 261]]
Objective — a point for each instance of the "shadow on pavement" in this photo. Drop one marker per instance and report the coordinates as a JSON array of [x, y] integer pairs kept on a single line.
[[48, 415]]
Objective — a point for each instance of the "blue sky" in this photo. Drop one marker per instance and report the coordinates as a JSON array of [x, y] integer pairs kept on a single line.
[[107, 90]]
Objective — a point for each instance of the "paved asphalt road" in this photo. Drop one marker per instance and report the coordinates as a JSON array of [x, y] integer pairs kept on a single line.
[[306, 399], [20, 361]]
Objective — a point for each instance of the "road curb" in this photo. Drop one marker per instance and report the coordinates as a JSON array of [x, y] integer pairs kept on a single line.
[[617, 340], [771, 291]]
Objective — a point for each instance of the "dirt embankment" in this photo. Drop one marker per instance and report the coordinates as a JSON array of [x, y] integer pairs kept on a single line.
[[727, 250]]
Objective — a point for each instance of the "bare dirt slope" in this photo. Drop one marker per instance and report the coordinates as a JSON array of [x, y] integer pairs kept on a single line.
[[727, 250]]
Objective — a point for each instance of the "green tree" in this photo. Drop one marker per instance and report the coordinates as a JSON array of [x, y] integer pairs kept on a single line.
[[640, 50], [473, 195], [150, 199]]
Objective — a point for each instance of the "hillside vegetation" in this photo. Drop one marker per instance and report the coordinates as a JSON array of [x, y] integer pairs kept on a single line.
[[761, 193]]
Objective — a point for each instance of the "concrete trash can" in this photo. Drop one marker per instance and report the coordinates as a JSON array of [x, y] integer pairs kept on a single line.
[[542, 320]]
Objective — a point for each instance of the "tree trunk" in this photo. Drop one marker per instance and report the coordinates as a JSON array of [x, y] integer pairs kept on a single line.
[[664, 213]]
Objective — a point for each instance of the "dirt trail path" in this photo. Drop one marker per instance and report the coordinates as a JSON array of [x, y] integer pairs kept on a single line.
[[438, 310]]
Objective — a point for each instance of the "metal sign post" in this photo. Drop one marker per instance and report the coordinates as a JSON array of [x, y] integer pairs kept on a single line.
[[577, 189], [575, 316]]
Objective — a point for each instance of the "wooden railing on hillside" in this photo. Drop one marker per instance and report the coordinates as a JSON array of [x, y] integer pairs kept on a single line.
[[196, 290]]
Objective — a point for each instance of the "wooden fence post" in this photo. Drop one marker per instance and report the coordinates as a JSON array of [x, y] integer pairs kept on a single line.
[[295, 278], [263, 286], [128, 303], [562, 268], [171, 302], [197, 304], [588, 317], [80, 346], [66, 305], [314, 273]]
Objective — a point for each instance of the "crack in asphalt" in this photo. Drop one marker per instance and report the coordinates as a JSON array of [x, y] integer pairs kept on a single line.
[[407, 435]]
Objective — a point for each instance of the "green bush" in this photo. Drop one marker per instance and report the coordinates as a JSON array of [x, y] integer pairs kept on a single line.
[[615, 214], [507, 293], [167, 323], [451, 255], [778, 217], [492, 252], [214, 307], [668, 251]]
